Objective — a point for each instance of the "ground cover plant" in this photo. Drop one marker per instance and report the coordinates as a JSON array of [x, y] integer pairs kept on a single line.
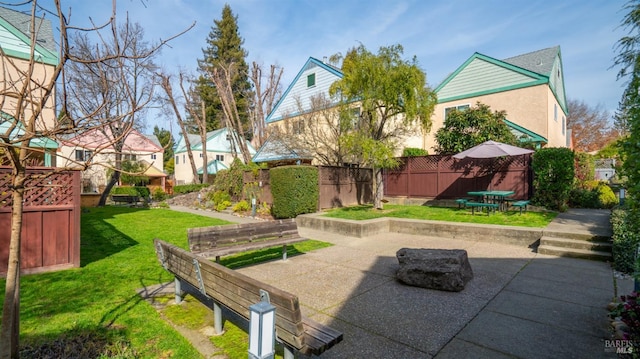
[[450, 214], [96, 306]]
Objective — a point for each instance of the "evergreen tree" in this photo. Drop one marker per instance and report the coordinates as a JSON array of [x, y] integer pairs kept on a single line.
[[224, 47], [166, 140]]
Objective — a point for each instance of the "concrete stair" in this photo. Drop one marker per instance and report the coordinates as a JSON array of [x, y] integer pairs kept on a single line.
[[576, 245]]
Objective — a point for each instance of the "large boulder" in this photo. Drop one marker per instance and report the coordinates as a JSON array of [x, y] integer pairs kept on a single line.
[[441, 269]]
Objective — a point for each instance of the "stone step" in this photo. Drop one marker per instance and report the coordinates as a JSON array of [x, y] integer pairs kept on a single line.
[[574, 253], [593, 236], [602, 246]]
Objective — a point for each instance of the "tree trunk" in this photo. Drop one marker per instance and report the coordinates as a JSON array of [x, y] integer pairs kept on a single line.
[[10, 331], [203, 138], [378, 188]]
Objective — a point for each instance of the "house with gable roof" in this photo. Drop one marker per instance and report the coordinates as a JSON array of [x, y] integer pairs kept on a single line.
[[529, 87], [15, 56], [89, 147], [221, 146]]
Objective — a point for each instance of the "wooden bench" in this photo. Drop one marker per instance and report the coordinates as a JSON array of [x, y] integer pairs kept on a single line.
[[217, 241], [125, 198], [521, 204], [489, 206], [217, 286]]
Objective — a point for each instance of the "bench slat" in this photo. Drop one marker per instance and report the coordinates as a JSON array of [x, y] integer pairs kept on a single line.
[[223, 251], [237, 291], [324, 336]]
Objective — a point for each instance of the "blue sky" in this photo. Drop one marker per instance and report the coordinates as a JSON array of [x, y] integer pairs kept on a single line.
[[441, 34]]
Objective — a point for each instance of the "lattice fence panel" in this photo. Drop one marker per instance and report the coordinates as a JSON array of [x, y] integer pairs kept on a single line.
[[40, 190]]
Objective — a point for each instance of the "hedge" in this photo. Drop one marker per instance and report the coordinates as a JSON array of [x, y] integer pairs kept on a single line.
[[294, 189]]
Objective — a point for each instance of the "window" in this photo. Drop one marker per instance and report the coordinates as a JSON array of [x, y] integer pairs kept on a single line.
[[83, 155], [153, 156], [555, 112], [129, 157], [448, 110], [220, 158], [177, 159], [200, 154], [564, 123], [298, 126], [311, 80]]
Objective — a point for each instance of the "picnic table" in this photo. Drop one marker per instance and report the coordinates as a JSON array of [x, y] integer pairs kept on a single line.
[[498, 197]]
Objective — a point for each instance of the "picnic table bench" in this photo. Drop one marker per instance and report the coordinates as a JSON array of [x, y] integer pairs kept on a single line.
[[217, 241], [217, 286], [481, 205], [520, 204]]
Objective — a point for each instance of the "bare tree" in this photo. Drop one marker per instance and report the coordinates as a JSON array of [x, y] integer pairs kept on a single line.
[[318, 130], [27, 90], [172, 101], [264, 96], [114, 92], [222, 78]]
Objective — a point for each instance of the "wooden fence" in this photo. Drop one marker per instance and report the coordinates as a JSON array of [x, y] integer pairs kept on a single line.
[[339, 186], [51, 220], [443, 177]]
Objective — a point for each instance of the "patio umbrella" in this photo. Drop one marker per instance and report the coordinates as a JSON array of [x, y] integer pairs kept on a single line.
[[492, 149]]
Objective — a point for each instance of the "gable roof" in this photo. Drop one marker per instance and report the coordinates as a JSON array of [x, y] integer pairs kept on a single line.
[[276, 150], [217, 141], [95, 138], [483, 75], [15, 37], [7, 122], [325, 75]]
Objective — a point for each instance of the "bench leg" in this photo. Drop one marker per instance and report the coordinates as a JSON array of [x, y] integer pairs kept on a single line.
[[284, 252], [178, 290], [218, 259], [217, 318], [288, 353]]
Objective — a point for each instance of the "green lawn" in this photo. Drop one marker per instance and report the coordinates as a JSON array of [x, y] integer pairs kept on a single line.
[[96, 310], [98, 303], [507, 218]]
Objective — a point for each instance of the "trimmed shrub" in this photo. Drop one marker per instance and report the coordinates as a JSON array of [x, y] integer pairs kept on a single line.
[[553, 177], [295, 190], [626, 226], [139, 191], [414, 152], [606, 197], [188, 188]]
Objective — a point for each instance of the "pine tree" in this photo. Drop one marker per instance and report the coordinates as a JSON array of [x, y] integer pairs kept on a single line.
[[224, 47]]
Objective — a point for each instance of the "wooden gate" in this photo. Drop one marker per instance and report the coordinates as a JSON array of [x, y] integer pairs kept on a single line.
[[51, 220]]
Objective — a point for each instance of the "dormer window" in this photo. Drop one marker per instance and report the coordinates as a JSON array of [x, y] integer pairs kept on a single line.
[[311, 80]]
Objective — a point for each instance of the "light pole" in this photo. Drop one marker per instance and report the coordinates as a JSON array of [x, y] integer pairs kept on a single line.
[[262, 328]]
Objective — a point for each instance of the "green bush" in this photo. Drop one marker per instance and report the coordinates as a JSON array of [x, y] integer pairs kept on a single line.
[[128, 190], [625, 223], [583, 198], [295, 190], [188, 188], [139, 191], [553, 177], [218, 197], [222, 206], [414, 152], [159, 194], [593, 194], [242, 206], [585, 167], [230, 180], [606, 197]]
